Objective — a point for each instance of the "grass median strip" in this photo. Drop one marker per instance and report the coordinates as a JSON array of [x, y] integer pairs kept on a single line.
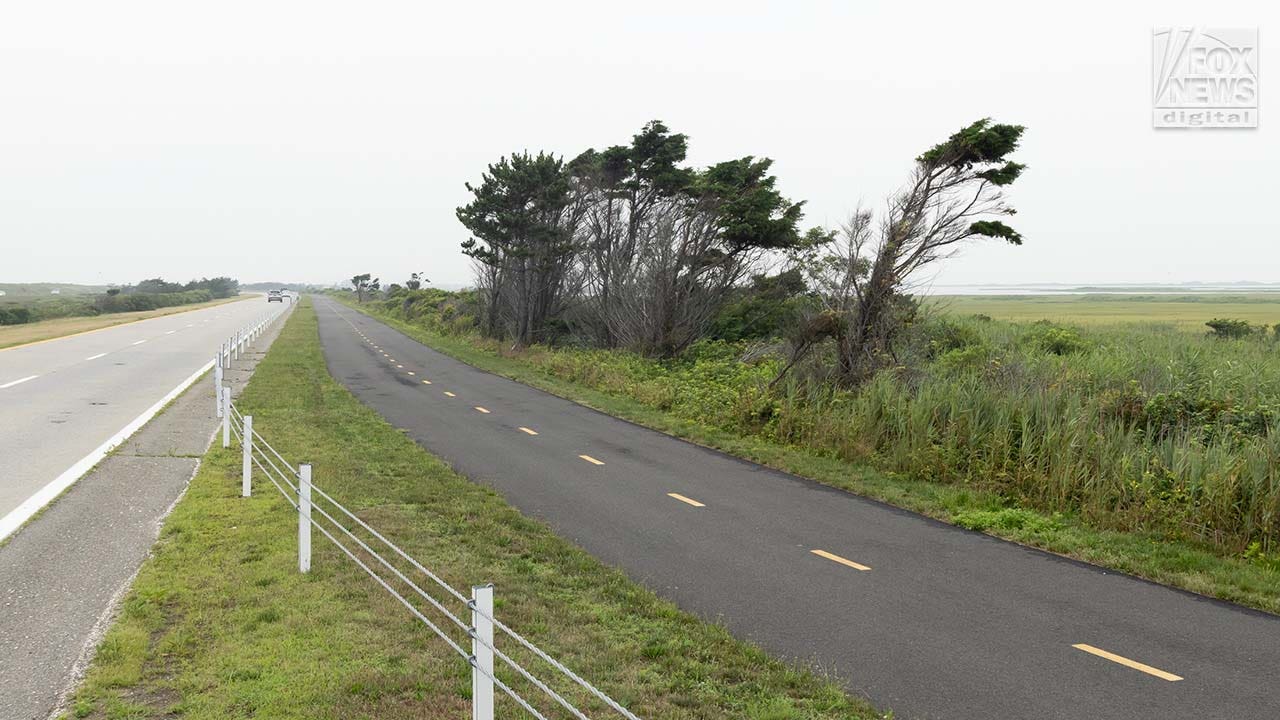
[[220, 624]]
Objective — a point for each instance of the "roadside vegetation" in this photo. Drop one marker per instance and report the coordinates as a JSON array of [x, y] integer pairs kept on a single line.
[[14, 335], [220, 624], [1143, 448], [152, 294], [690, 300]]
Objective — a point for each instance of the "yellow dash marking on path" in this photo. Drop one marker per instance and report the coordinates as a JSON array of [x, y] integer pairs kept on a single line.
[[684, 499], [591, 460], [527, 431], [486, 412], [1127, 662], [426, 382], [411, 372], [399, 366], [842, 561], [446, 392]]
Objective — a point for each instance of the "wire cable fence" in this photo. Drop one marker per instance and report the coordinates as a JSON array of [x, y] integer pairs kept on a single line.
[[563, 693]]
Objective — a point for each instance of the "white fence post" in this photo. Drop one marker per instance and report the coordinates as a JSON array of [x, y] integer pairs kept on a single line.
[[246, 462], [304, 518], [226, 416], [481, 652], [217, 386]]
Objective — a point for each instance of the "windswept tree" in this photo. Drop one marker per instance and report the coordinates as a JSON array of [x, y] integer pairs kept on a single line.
[[364, 284], [522, 219], [627, 186], [625, 247], [697, 247], [955, 194], [664, 244]]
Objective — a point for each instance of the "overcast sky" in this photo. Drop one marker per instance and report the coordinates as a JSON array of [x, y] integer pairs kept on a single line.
[[310, 141]]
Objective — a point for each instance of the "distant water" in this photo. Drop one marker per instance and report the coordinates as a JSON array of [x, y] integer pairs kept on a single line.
[[1120, 289]]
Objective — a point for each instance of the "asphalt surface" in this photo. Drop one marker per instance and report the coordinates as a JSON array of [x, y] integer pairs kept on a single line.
[[61, 574], [62, 398], [943, 623]]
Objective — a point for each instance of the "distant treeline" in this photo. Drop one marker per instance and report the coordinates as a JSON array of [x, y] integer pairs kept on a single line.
[[149, 294]]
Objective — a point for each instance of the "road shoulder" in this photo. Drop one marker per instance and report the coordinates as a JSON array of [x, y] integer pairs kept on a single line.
[[13, 337], [63, 573]]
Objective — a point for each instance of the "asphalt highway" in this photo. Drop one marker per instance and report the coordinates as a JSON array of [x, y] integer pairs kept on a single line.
[[63, 398], [920, 617]]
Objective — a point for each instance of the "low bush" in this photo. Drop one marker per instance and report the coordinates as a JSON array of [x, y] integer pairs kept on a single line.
[[15, 315], [1226, 328]]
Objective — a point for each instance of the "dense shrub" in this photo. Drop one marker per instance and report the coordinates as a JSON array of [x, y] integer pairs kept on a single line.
[[769, 307], [15, 316], [133, 302], [1059, 341], [1226, 328]]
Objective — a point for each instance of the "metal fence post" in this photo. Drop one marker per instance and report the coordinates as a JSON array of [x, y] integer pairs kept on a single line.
[[304, 518], [217, 386], [481, 652], [246, 462], [226, 416]]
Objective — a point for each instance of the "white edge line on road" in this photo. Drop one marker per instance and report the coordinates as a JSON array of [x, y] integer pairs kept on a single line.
[[29, 507], [19, 381]]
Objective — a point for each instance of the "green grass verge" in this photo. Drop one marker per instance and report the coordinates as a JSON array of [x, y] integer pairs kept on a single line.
[[1200, 568], [219, 623]]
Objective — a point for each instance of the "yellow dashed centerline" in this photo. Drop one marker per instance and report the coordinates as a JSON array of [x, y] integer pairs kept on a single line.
[[1127, 662], [683, 499], [411, 372], [591, 460], [426, 382], [527, 431], [480, 409], [446, 392], [842, 561]]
